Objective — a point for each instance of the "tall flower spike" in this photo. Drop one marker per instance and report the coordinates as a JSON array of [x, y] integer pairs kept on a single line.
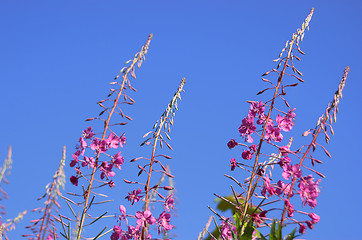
[[44, 227], [159, 135], [287, 62], [322, 124], [103, 143]]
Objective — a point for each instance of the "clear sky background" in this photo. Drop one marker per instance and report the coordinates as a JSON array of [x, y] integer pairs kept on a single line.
[[57, 59]]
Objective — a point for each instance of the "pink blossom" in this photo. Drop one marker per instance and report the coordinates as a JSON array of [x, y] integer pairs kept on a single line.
[[289, 207], [145, 217], [291, 170], [134, 196], [286, 123], [310, 224], [302, 228], [111, 184], [82, 145], [122, 140], [308, 190], [163, 222], [101, 146], [117, 232], [267, 187], [75, 157], [272, 133], [284, 150], [74, 180], [253, 148], [247, 155], [232, 143], [256, 108], [133, 232], [284, 161], [113, 141], [89, 161], [226, 230], [169, 202], [283, 188], [315, 218], [258, 218], [88, 133], [247, 127], [233, 164], [106, 170], [118, 160]]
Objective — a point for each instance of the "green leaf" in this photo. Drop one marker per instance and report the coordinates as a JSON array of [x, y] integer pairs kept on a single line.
[[248, 231], [279, 231], [272, 235], [291, 235], [259, 235]]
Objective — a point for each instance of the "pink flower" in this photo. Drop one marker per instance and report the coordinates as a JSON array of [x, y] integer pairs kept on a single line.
[[74, 180], [226, 230], [289, 207], [291, 170], [111, 184], [256, 108], [286, 123], [122, 140], [113, 141], [272, 133], [309, 224], [106, 170], [253, 148], [145, 217], [88, 161], [169, 202], [247, 155], [284, 150], [308, 190], [267, 187], [134, 232], [247, 128], [283, 188], [117, 232], [163, 222], [88, 133], [82, 145], [302, 228], [75, 157], [134, 196], [258, 218], [284, 161], [118, 160], [232, 143], [233, 164], [315, 218], [101, 146]]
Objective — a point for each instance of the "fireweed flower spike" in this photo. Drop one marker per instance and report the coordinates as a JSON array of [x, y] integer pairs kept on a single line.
[[293, 180], [100, 161], [308, 188], [261, 121], [159, 135], [44, 227]]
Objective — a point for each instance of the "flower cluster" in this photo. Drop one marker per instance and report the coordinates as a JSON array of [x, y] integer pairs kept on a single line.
[[291, 173], [143, 218], [88, 140]]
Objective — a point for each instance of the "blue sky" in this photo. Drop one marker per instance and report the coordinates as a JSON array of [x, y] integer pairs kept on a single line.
[[57, 59]]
